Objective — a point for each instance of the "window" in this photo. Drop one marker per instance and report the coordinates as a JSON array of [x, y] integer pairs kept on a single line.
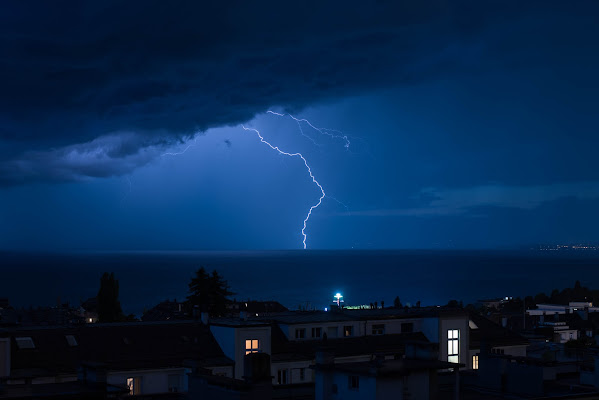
[[174, 383], [348, 330], [134, 385], [332, 332], [282, 377], [252, 346], [300, 333], [407, 327], [378, 329], [71, 340], [353, 382], [453, 347], [302, 374], [25, 343], [316, 332], [475, 362]]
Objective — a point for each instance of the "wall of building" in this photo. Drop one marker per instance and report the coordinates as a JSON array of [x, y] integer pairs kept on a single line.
[[152, 381], [242, 334], [391, 389], [326, 327], [367, 388], [293, 369], [462, 324], [392, 326], [4, 357]]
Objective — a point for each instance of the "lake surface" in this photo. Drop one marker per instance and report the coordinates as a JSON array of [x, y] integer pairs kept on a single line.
[[297, 277]]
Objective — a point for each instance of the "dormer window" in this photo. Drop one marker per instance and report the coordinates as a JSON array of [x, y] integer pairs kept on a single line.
[[25, 343], [252, 346]]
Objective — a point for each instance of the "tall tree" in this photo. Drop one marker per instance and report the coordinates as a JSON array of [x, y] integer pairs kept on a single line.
[[109, 307], [397, 302], [209, 292]]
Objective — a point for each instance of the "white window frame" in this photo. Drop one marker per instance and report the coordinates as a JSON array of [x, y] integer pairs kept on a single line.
[[453, 345], [475, 361], [282, 376]]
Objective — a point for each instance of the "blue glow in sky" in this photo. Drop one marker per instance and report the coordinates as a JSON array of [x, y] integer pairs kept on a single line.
[[471, 126]]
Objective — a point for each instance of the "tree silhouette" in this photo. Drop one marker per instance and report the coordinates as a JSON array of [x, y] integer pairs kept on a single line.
[[209, 292], [109, 307], [396, 302]]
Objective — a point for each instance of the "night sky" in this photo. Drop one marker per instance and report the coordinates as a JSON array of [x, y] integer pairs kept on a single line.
[[469, 124]]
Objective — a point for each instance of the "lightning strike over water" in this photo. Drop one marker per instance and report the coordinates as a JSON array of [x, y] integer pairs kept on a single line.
[[323, 194]]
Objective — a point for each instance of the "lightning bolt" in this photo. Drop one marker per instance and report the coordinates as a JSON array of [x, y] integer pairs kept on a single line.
[[322, 131], [277, 149], [178, 153]]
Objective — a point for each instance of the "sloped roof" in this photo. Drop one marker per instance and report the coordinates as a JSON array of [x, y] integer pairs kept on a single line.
[[117, 346], [494, 334]]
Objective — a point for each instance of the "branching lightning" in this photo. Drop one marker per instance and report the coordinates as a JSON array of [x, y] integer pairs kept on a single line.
[[323, 194], [323, 131]]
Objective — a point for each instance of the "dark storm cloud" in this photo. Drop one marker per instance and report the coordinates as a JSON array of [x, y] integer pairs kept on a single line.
[[77, 74]]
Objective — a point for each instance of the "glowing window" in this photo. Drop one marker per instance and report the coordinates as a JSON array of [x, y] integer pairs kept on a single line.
[[134, 385], [475, 362], [252, 346], [348, 330], [453, 345], [25, 343]]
